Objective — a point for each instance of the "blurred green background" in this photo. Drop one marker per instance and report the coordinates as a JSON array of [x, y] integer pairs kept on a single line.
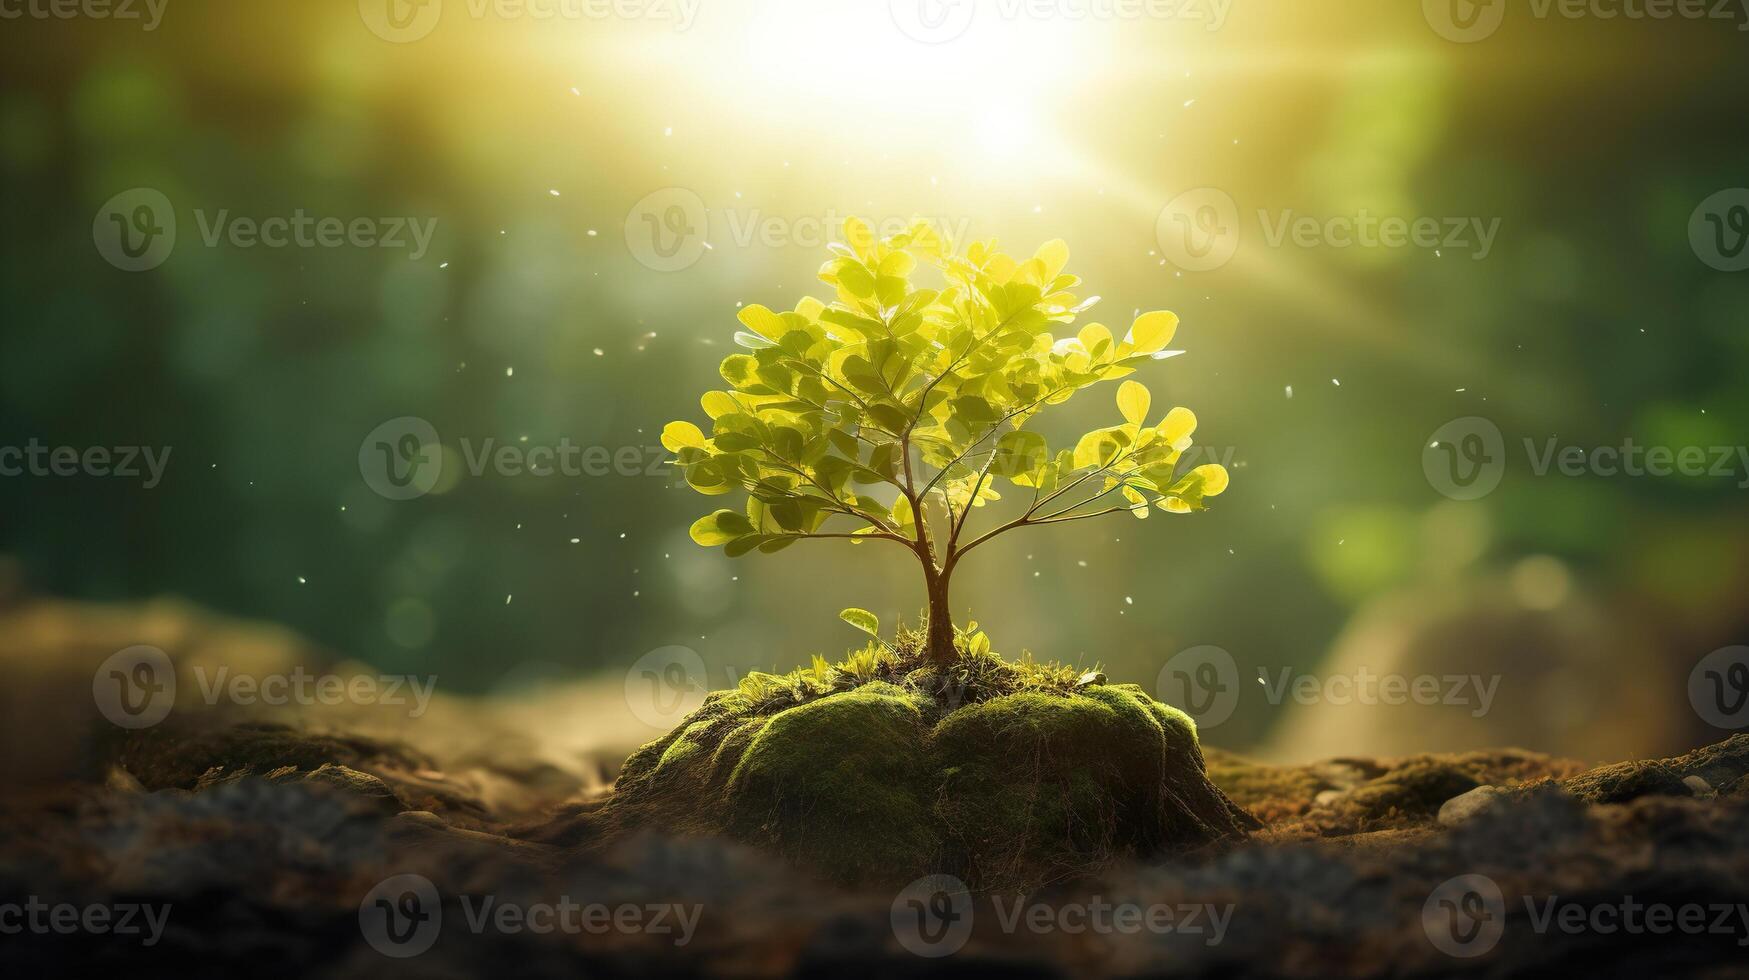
[[1592, 319]]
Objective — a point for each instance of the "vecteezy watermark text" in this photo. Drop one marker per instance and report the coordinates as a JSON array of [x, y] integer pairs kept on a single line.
[[403, 458], [33, 915], [932, 917], [1363, 687], [940, 21], [1468, 21], [136, 688], [1465, 459], [136, 230], [1201, 230], [1466, 916], [670, 229], [150, 13], [35, 459], [402, 916], [405, 21], [1204, 682]]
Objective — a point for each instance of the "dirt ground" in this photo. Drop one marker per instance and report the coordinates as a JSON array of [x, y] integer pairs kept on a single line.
[[265, 838]]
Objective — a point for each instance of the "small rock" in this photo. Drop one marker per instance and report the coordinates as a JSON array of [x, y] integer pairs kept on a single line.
[[1462, 808], [119, 780], [1702, 790]]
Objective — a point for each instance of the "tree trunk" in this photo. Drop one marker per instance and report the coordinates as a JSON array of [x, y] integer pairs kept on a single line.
[[940, 647]]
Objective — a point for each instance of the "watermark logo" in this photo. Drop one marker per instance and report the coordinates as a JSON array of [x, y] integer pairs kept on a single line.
[[1718, 688], [1468, 21], [940, 21], [665, 685], [1465, 916], [401, 459], [144, 463], [1201, 230], [135, 230], [405, 21], [135, 687], [932, 916], [1204, 682], [1464, 21], [400, 21], [933, 21], [1465, 458], [35, 916], [666, 229], [402, 916], [1198, 231], [1718, 230], [1364, 687], [149, 12]]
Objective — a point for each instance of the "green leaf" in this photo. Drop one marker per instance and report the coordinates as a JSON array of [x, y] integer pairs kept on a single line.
[[863, 620], [1100, 447], [717, 404], [1133, 400], [721, 528], [681, 435], [762, 321], [1153, 331], [1020, 454]]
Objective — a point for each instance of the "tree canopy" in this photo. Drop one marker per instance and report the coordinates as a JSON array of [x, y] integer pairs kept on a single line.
[[897, 410]]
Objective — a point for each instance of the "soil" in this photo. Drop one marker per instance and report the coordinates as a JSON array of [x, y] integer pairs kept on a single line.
[[266, 835]]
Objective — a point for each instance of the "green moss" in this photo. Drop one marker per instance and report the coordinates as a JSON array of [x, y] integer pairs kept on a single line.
[[1006, 784], [838, 783]]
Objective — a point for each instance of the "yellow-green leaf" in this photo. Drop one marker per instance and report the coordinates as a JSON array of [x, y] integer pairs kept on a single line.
[[717, 404], [681, 435], [863, 620], [1053, 255], [1133, 400], [1153, 331], [762, 321], [1214, 478], [721, 528], [1175, 429]]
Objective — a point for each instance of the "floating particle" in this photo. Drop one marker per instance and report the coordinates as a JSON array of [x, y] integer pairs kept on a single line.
[[302, 580], [599, 352], [554, 192]]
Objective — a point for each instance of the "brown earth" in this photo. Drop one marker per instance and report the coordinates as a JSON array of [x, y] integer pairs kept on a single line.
[[265, 833]]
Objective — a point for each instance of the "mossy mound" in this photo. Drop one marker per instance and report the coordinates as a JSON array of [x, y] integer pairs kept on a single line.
[[1007, 783]]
